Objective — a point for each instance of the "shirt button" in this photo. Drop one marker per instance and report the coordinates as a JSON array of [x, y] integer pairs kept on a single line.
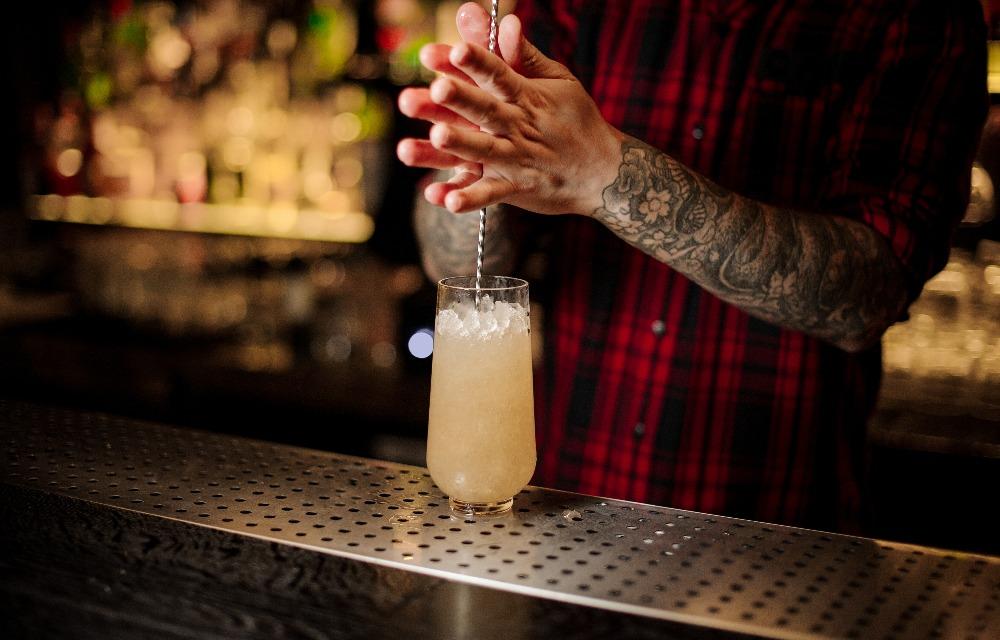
[[639, 430], [697, 132], [658, 327]]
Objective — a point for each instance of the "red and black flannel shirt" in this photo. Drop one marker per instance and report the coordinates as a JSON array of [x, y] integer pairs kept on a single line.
[[655, 390]]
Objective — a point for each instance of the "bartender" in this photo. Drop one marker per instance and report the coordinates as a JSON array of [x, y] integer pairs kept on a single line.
[[737, 198]]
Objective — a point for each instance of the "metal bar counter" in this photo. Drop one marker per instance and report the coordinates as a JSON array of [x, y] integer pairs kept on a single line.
[[116, 528]]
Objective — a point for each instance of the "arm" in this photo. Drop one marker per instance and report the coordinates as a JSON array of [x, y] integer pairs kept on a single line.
[[544, 146], [448, 242], [831, 277], [900, 184]]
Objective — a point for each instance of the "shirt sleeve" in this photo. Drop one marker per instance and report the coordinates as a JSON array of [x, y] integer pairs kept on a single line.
[[902, 162]]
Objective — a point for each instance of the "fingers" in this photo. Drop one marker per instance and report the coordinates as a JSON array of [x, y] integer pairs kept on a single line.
[[482, 193], [436, 192], [472, 146], [509, 39], [417, 103], [473, 24], [435, 57], [421, 153], [523, 56], [471, 103], [487, 70]]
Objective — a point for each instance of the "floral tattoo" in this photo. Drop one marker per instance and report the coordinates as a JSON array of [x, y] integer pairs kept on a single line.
[[828, 276]]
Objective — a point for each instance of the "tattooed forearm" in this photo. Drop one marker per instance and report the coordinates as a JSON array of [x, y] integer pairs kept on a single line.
[[828, 276], [448, 242]]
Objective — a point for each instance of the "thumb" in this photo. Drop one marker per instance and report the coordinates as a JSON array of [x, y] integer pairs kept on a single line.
[[523, 56], [473, 24]]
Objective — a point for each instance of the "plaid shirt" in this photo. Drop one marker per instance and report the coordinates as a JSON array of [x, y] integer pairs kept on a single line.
[[655, 390]]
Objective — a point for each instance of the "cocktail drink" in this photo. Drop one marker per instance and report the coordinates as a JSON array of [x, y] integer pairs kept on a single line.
[[481, 431]]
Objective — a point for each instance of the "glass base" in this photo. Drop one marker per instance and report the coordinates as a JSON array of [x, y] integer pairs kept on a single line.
[[481, 508]]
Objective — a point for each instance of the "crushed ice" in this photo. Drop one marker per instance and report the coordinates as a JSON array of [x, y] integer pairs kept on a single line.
[[492, 319]]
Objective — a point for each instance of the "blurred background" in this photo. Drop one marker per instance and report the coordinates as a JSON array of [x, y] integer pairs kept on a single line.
[[202, 222]]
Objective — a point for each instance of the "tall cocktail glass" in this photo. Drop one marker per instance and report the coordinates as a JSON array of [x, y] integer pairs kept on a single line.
[[481, 431]]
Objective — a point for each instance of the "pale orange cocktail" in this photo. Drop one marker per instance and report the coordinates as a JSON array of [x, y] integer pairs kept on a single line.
[[481, 431]]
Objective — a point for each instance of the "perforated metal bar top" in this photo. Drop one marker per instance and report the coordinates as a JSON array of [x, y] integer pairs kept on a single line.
[[697, 569]]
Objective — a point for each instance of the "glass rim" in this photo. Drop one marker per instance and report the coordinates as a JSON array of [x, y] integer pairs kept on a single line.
[[516, 283]]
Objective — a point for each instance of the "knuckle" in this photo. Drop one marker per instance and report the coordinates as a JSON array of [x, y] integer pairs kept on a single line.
[[460, 53], [488, 114], [441, 136], [491, 147], [512, 92], [406, 155], [529, 182], [441, 90]]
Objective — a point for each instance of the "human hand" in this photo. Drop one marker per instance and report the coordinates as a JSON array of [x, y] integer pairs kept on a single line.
[[520, 129], [415, 102]]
